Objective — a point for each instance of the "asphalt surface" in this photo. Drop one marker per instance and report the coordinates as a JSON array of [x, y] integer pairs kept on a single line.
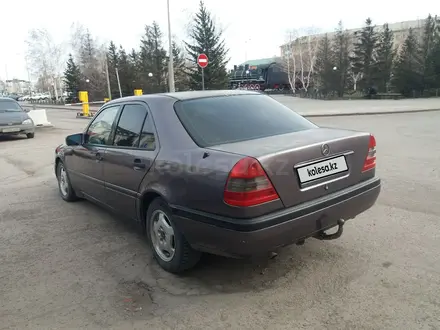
[[74, 266]]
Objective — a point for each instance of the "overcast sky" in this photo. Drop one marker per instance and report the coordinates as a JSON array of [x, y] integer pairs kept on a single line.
[[264, 24]]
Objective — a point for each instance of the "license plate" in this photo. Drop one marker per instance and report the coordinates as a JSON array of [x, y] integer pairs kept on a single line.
[[10, 130], [322, 169]]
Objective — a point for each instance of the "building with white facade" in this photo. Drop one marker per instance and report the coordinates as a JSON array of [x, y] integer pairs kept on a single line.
[[400, 30]]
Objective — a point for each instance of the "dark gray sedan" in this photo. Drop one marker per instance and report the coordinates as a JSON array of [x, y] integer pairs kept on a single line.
[[14, 120], [233, 173]]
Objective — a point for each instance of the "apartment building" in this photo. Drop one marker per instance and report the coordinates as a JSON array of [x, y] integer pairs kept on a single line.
[[400, 30], [17, 86]]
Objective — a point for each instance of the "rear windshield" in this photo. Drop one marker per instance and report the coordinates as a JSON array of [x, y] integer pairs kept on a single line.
[[6, 105], [227, 119]]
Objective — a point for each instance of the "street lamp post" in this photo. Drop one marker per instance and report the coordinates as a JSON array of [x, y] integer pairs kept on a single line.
[[109, 91], [170, 51], [29, 76], [119, 83]]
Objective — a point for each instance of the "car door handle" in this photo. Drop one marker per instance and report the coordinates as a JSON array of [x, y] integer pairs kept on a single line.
[[98, 157], [138, 165]]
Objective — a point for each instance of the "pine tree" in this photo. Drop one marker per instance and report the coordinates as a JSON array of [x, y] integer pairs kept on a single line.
[[207, 39], [88, 51], [341, 49], [160, 62], [133, 59], [324, 66], [385, 57], [72, 77], [427, 46], [92, 68], [126, 74], [407, 72], [363, 59], [144, 65], [435, 55], [153, 59], [180, 77], [112, 63]]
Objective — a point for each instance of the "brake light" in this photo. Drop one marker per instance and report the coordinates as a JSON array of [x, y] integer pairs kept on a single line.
[[248, 185], [370, 160]]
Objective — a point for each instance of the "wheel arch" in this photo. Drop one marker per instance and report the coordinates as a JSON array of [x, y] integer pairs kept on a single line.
[[146, 198], [57, 161]]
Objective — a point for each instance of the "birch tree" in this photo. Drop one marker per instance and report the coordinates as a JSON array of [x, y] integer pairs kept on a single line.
[[301, 55], [355, 76], [308, 54], [290, 59], [45, 57], [90, 54]]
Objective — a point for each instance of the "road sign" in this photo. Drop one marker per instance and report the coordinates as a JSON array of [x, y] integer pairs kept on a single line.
[[202, 60]]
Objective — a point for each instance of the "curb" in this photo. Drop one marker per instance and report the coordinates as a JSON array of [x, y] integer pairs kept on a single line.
[[365, 113]]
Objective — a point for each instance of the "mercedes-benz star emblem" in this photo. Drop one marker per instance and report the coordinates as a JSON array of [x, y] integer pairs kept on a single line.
[[325, 149]]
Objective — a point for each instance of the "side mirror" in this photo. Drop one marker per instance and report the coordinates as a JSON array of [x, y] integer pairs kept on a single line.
[[75, 139], [26, 110]]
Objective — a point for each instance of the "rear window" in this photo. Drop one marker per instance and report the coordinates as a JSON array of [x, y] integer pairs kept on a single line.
[[9, 105], [227, 119]]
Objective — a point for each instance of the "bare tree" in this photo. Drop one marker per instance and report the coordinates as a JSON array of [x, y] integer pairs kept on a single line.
[[45, 57], [77, 34], [355, 77], [90, 54], [290, 59], [308, 57], [300, 56]]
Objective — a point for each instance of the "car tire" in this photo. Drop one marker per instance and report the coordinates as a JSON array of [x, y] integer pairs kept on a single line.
[[64, 186], [180, 255], [30, 135]]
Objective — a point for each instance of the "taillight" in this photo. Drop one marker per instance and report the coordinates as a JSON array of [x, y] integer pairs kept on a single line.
[[370, 160], [248, 184]]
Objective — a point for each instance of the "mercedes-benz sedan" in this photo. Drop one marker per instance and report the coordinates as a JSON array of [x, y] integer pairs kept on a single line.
[[233, 173]]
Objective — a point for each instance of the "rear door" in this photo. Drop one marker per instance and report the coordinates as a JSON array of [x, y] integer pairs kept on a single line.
[[129, 157]]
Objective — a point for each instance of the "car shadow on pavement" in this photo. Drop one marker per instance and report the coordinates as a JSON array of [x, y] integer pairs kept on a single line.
[[134, 263], [8, 138]]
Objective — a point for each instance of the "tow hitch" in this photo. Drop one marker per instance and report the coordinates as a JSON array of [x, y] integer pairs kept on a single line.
[[322, 235]]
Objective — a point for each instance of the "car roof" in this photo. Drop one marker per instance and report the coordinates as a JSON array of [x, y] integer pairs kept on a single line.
[[202, 94], [187, 95]]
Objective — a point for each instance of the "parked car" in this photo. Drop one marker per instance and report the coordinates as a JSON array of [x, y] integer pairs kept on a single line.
[[233, 173], [14, 119], [15, 97]]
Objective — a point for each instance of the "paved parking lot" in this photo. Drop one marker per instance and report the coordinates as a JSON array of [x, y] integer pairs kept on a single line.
[[71, 266]]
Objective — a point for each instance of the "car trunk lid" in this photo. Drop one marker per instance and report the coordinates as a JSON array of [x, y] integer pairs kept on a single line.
[[308, 164]]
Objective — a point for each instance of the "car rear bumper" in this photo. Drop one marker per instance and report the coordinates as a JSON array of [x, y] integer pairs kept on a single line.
[[247, 237], [17, 129]]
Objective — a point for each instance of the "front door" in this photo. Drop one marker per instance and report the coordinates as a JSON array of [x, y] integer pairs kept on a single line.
[[129, 158], [86, 163]]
